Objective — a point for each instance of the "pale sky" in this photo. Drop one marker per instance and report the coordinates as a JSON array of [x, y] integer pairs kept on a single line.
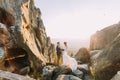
[[77, 19]]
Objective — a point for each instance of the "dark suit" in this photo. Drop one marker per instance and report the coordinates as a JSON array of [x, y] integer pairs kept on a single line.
[[58, 49]]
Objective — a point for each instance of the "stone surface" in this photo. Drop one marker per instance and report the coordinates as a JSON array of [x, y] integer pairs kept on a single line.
[[78, 73], [88, 77], [84, 66], [21, 28], [2, 52], [67, 77], [83, 56], [61, 70], [117, 76], [48, 72], [11, 76], [102, 38], [48, 69], [107, 63], [51, 72], [95, 54]]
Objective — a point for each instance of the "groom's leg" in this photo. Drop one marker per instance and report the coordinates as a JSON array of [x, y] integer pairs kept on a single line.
[[58, 59]]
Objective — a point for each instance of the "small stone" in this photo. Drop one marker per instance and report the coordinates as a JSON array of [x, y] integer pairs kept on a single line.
[[67, 77], [2, 52], [84, 66], [78, 73]]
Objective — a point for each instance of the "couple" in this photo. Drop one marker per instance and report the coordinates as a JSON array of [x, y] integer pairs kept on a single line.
[[67, 60]]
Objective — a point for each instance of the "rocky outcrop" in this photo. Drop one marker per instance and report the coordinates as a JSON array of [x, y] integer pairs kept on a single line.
[[105, 51], [117, 76], [83, 56], [48, 72], [94, 55], [102, 38], [52, 72], [107, 61], [10, 76], [23, 36], [67, 77], [78, 73], [62, 72]]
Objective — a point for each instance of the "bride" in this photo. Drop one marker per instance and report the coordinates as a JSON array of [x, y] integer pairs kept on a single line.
[[67, 60]]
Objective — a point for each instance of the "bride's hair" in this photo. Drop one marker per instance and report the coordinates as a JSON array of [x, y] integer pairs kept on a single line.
[[65, 43]]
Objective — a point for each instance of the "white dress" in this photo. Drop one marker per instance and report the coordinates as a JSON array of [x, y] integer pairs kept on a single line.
[[69, 61]]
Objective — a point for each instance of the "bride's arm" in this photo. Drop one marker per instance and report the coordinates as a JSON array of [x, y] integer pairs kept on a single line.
[[62, 49]]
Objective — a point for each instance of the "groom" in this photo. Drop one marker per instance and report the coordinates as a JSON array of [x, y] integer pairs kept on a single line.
[[59, 52]]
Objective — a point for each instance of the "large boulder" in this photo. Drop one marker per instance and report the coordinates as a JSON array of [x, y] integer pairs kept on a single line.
[[105, 49], [61, 70], [84, 68], [52, 72], [94, 52], [107, 63], [23, 37], [83, 56], [78, 73], [4, 75], [94, 55], [48, 72], [88, 77], [102, 38], [117, 76]]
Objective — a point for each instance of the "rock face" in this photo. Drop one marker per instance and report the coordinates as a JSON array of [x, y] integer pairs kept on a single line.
[[78, 73], [102, 38], [117, 76], [83, 56], [107, 60], [48, 72], [22, 30], [10, 76], [67, 77], [108, 63], [62, 72], [52, 72]]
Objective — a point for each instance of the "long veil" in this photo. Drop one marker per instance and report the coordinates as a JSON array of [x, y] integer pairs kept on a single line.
[[69, 61]]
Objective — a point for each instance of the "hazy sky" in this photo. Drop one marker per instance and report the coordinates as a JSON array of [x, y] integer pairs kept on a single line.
[[77, 18]]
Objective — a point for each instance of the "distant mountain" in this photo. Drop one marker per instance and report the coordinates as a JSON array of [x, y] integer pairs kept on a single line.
[[73, 44]]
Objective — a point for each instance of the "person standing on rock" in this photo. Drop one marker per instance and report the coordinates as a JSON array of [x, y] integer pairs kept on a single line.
[[59, 52], [67, 60]]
